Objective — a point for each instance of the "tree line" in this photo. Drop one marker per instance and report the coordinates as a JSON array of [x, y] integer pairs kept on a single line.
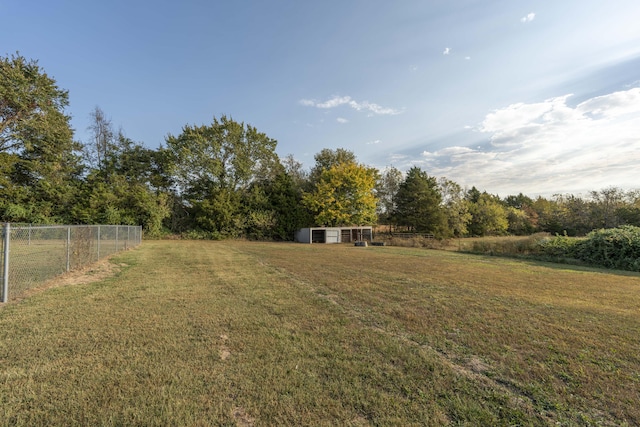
[[224, 180]]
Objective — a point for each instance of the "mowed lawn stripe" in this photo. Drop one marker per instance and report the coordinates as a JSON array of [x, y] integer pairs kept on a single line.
[[561, 338]]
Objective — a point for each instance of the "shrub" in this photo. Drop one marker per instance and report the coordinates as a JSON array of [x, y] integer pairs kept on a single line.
[[559, 247], [612, 248]]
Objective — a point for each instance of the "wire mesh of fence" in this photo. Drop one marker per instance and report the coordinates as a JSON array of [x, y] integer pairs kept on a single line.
[[31, 255]]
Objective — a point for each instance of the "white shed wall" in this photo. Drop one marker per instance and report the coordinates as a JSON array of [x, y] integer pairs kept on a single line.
[[333, 235]]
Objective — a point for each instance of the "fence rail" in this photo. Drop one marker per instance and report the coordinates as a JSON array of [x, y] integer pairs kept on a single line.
[[31, 254], [412, 235]]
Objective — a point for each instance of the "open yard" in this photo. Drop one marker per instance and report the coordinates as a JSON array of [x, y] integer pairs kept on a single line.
[[200, 333]]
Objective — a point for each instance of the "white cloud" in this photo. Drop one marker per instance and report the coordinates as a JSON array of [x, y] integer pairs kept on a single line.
[[377, 141], [468, 58], [612, 105], [528, 17], [338, 101], [396, 158], [447, 51], [549, 147], [342, 120]]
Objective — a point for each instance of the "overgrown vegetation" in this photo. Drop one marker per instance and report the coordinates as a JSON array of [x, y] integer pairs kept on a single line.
[[246, 333], [612, 248], [615, 248]]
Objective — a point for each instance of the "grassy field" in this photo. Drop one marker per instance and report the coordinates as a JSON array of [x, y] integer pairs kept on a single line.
[[239, 333]]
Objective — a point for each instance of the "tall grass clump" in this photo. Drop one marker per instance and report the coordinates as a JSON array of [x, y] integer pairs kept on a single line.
[[414, 242], [506, 246]]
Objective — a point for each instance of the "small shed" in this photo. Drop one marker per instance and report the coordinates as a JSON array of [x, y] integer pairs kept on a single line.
[[334, 234]]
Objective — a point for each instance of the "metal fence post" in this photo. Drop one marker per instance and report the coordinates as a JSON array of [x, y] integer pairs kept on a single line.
[[6, 234], [68, 248]]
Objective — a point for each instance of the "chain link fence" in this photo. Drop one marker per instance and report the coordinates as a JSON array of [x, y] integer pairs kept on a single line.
[[31, 255]]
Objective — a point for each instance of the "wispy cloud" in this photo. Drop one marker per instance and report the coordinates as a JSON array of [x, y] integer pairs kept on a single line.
[[549, 147], [528, 17], [447, 51], [338, 101], [342, 120]]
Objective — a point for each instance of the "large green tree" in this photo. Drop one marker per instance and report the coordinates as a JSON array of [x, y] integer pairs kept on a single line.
[[523, 219], [489, 216], [456, 207], [212, 166], [39, 162], [326, 159], [418, 204], [31, 105]]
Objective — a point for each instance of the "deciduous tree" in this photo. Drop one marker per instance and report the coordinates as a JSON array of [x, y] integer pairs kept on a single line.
[[39, 164], [328, 158], [456, 207], [31, 105], [386, 190], [211, 165], [344, 194], [488, 216]]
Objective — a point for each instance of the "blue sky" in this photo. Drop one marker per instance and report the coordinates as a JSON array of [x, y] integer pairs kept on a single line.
[[539, 97]]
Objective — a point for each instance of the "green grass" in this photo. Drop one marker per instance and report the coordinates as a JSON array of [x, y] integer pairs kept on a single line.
[[240, 333]]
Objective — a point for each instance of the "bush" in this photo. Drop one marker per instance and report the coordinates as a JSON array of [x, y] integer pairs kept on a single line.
[[560, 247], [612, 248]]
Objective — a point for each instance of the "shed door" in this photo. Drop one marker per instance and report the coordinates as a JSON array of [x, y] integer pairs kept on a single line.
[[318, 236], [345, 236], [332, 236]]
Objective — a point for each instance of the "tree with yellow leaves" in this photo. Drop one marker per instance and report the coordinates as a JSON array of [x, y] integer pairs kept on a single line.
[[344, 194]]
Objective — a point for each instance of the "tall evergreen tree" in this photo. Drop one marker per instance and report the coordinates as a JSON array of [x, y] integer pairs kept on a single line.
[[418, 204]]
